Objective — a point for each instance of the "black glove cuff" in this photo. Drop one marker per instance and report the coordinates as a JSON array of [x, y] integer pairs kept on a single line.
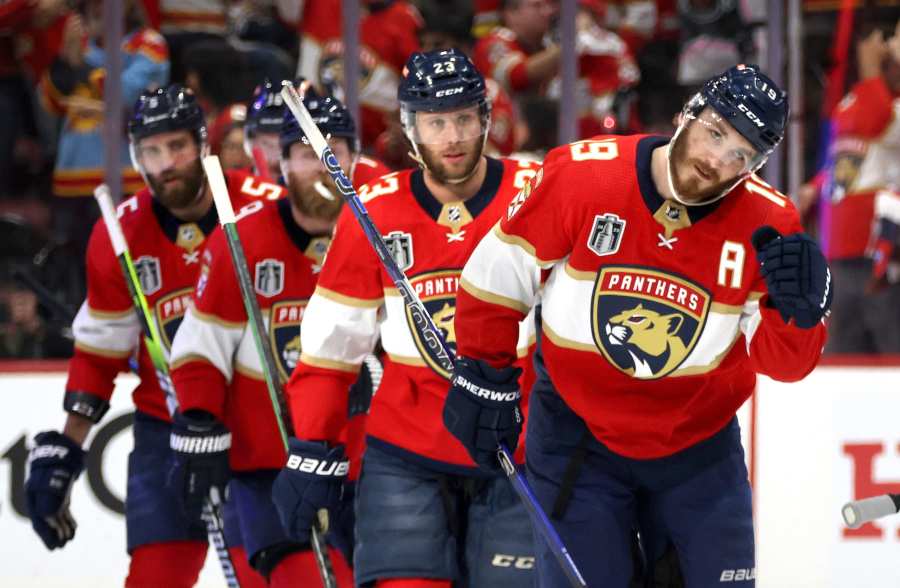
[[85, 404]]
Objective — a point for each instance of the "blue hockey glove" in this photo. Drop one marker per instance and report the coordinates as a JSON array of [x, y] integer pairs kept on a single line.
[[312, 479], [56, 461], [199, 459], [482, 409], [796, 274]]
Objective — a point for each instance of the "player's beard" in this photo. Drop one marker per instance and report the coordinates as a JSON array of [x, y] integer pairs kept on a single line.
[[310, 202], [184, 191], [688, 187], [442, 172]]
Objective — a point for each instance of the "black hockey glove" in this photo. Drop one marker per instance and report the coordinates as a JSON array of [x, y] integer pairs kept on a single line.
[[199, 460], [56, 461], [482, 409], [796, 274], [311, 480]]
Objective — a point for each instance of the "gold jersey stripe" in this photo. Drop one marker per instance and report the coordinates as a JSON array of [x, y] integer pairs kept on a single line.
[[102, 352], [214, 320], [522, 244], [493, 298], [330, 364], [348, 300]]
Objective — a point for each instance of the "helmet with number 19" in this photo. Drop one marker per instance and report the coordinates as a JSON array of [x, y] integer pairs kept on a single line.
[[727, 132], [445, 113], [265, 116], [167, 135]]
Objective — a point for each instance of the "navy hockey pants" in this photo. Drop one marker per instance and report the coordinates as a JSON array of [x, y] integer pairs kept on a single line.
[[415, 522], [698, 499]]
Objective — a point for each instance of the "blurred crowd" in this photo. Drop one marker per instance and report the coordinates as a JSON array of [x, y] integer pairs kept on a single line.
[[638, 60]]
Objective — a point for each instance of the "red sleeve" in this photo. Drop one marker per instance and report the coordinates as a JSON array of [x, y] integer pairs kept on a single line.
[[538, 229], [96, 362], [339, 327], [866, 111]]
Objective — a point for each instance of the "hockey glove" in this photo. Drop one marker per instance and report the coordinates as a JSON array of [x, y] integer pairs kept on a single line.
[[199, 460], [482, 409], [796, 274], [311, 480], [56, 461]]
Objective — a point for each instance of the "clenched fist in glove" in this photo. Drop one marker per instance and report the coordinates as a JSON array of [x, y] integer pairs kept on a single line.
[[482, 409], [55, 463], [311, 480], [797, 275], [200, 445]]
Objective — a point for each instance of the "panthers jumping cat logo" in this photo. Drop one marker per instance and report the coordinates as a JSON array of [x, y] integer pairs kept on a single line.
[[646, 322], [650, 338]]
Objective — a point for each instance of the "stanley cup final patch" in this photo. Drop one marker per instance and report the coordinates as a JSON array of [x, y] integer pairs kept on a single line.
[[606, 234], [401, 247], [147, 269], [269, 278]]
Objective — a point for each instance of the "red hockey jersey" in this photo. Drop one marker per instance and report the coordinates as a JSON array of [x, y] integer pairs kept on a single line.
[[215, 364], [865, 159], [365, 169], [653, 329], [166, 254], [355, 301]]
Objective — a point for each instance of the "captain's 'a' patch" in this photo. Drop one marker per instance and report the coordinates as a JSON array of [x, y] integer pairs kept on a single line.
[[646, 322]]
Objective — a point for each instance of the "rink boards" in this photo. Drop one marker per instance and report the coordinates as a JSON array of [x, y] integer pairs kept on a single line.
[[811, 446]]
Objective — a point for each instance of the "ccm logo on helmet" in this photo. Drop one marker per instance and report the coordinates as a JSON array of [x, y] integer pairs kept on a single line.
[[448, 92], [751, 115], [320, 467]]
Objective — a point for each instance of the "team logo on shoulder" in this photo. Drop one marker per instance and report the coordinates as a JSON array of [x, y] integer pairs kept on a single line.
[[147, 269], [284, 333], [606, 234], [646, 322], [269, 280], [437, 291], [170, 311], [401, 247]]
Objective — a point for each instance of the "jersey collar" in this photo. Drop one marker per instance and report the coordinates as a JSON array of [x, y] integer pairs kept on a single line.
[[295, 232], [170, 224], [652, 198], [475, 204]]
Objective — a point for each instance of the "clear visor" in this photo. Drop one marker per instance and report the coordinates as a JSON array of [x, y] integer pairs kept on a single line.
[[304, 165], [266, 143], [460, 125], [715, 141], [166, 152]]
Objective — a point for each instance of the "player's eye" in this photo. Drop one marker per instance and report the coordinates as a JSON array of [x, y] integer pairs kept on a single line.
[[436, 123], [716, 135], [464, 120]]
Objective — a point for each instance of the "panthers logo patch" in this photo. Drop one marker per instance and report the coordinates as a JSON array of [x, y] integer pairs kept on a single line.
[[284, 333], [170, 311], [437, 291], [646, 322]]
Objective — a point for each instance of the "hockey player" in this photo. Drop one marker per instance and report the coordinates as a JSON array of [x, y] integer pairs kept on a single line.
[[426, 515], [166, 226], [265, 115], [675, 276], [216, 368]]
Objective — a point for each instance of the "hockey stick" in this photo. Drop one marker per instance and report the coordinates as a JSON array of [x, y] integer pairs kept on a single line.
[[212, 513], [860, 512], [219, 188], [423, 321]]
